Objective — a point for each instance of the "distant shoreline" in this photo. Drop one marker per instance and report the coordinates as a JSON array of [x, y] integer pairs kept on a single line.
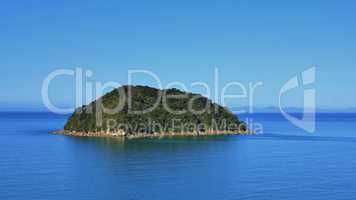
[[146, 135]]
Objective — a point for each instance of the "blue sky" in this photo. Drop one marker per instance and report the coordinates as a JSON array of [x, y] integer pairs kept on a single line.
[[248, 41]]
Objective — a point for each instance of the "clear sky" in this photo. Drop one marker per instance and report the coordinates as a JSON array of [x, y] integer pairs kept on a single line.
[[248, 41]]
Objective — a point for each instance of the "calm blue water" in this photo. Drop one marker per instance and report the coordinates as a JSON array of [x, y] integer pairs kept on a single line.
[[283, 163]]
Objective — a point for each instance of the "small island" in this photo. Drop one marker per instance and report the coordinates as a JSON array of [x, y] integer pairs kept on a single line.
[[142, 111]]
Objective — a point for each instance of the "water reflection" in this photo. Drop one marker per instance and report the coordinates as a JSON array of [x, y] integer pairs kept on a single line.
[[172, 143]]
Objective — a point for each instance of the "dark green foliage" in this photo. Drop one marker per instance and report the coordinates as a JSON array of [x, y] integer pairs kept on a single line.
[[200, 113]]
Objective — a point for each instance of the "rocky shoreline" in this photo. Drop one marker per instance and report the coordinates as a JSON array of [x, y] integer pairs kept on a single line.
[[146, 135]]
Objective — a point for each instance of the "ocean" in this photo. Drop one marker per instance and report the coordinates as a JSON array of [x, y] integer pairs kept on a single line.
[[282, 163]]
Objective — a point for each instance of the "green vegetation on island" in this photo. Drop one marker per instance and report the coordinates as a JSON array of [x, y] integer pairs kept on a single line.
[[145, 111]]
